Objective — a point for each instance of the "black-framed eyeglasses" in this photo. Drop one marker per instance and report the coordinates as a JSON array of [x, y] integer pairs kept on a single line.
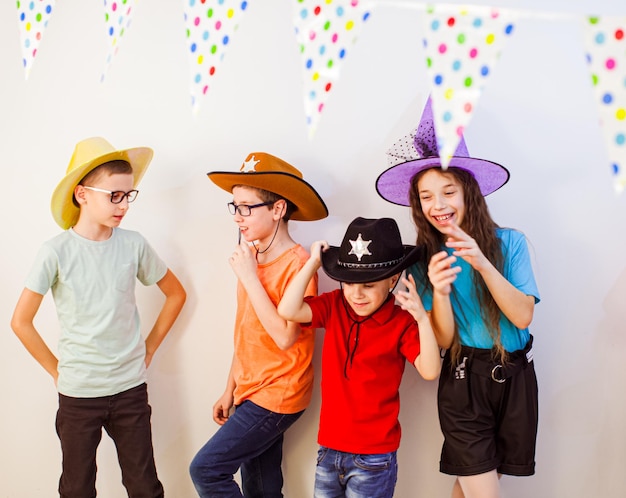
[[117, 196], [245, 209]]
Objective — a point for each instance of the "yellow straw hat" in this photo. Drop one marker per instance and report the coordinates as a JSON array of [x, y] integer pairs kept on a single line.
[[88, 155]]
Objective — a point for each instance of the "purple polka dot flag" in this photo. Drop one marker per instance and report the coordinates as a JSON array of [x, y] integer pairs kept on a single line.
[[117, 16], [325, 30], [33, 18], [462, 45], [210, 26], [605, 39]]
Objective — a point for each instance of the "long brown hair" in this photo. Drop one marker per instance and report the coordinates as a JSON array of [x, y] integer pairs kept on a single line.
[[479, 225]]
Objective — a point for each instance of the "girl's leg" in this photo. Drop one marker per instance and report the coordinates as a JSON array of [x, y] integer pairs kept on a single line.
[[479, 486], [457, 492]]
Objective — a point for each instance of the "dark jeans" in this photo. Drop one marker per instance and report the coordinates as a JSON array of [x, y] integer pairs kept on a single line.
[[251, 439], [126, 418]]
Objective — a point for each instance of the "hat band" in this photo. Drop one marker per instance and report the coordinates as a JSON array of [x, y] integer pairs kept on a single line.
[[370, 265]]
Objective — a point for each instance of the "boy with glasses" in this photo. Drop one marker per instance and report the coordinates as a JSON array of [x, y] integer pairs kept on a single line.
[[271, 376], [91, 269]]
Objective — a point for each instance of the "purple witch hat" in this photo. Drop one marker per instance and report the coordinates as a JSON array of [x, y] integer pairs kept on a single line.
[[418, 151]]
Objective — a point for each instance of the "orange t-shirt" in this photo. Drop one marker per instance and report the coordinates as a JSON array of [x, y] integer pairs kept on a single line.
[[279, 381]]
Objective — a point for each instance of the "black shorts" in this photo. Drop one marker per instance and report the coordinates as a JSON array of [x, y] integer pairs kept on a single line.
[[488, 413]]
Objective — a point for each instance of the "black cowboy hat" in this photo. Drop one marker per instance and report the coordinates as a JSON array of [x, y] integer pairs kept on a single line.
[[371, 250]]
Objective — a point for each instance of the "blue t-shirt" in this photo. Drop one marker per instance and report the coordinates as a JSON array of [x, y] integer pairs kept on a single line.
[[101, 351], [470, 323]]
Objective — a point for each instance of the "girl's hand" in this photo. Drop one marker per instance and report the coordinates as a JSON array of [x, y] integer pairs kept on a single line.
[[243, 261], [441, 273], [466, 247], [409, 299]]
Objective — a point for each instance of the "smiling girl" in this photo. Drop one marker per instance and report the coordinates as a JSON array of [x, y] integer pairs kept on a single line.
[[476, 280]]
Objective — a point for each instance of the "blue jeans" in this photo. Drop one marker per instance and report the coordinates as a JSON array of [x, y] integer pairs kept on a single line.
[[126, 418], [251, 439], [350, 475]]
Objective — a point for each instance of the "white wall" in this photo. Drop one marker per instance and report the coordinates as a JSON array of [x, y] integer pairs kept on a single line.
[[537, 117]]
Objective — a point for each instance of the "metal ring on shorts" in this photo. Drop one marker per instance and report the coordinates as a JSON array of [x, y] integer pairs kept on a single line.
[[493, 374]]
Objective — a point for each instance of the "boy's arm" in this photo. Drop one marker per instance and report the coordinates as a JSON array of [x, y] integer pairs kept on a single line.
[[292, 306], [428, 362], [221, 408], [175, 297], [23, 326]]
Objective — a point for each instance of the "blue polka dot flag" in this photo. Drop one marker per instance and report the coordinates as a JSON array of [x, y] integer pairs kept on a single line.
[[210, 26], [325, 32], [605, 42], [462, 45], [33, 17], [118, 15]]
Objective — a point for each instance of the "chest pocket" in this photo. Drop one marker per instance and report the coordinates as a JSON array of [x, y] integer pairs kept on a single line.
[[125, 278]]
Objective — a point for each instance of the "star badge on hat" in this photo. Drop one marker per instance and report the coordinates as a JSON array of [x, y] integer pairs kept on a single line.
[[359, 247], [249, 165]]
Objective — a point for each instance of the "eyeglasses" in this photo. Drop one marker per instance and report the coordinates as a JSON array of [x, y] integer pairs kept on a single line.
[[117, 196], [245, 209]]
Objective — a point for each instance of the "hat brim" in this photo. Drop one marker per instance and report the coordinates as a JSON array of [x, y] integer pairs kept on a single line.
[[309, 204], [332, 268], [394, 184], [64, 211]]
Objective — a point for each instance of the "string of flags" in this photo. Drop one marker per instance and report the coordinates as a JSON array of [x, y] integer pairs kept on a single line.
[[462, 45]]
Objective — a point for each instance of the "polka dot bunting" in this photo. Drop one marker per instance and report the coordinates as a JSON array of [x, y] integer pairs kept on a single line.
[[462, 45], [33, 16], [117, 18], [325, 30], [210, 26], [606, 57]]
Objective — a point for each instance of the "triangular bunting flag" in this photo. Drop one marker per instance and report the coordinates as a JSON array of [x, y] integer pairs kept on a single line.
[[325, 31], [462, 45], [117, 15], [606, 45], [33, 18], [210, 26]]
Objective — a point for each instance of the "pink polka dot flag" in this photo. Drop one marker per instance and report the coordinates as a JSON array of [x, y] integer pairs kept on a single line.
[[325, 30], [210, 26], [605, 40], [33, 18], [462, 45], [117, 17]]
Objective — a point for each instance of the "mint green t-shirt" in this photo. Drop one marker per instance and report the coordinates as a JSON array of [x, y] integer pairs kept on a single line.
[[101, 350]]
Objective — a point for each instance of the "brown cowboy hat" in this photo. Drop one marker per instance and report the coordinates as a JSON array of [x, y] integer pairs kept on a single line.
[[265, 171]]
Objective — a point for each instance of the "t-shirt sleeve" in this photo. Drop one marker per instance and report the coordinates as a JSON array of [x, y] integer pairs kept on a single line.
[[518, 268], [44, 272], [320, 309], [151, 267], [409, 342]]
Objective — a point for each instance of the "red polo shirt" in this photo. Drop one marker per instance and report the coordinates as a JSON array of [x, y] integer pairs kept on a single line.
[[360, 399]]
